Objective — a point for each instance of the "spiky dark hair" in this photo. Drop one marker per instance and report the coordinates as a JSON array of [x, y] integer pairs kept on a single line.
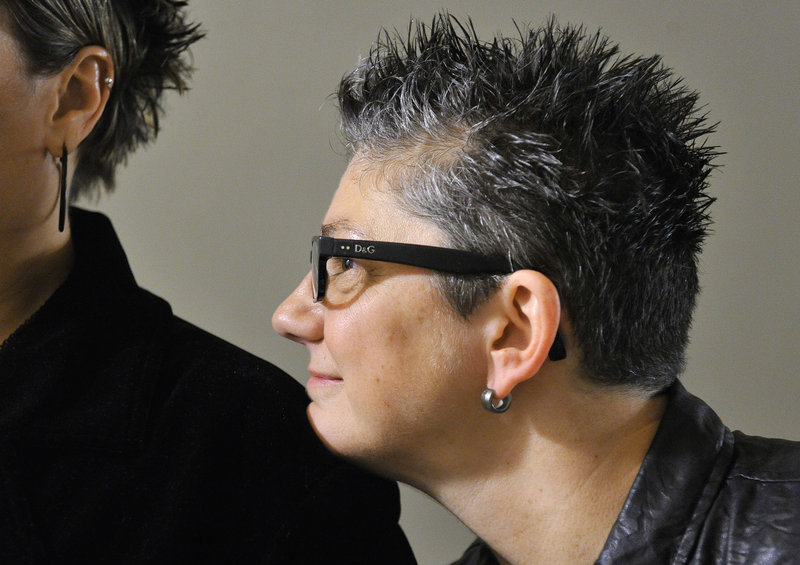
[[586, 165], [148, 41]]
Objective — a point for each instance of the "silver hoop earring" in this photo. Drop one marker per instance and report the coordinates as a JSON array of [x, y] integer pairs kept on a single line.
[[488, 401]]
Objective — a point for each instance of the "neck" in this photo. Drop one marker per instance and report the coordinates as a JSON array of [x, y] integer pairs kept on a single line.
[[560, 470], [33, 264]]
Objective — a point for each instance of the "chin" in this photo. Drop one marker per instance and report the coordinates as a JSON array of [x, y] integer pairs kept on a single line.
[[339, 440], [327, 430]]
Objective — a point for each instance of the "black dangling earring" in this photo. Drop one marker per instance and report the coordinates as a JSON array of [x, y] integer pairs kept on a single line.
[[62, 189]]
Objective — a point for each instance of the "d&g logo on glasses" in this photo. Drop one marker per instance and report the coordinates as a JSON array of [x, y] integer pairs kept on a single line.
[[368, 249]]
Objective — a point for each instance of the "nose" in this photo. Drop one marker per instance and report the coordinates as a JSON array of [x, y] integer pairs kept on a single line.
[[298, 317]]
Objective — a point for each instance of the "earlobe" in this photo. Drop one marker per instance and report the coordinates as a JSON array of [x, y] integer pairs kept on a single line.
[[524, 329], [83, 91]]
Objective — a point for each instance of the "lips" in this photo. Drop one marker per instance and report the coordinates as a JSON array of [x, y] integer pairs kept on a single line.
[[321, 379], [323, 376]]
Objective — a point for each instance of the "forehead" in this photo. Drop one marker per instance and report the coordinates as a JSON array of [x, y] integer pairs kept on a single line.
[[365, 207]]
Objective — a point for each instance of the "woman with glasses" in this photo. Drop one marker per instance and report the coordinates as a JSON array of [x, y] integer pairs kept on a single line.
[[128, 436], [500, 297]]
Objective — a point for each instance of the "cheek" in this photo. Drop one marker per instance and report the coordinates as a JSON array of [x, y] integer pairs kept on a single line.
[[409, 373], [413, 353], [370, 354], [28, 173], [375, 341]]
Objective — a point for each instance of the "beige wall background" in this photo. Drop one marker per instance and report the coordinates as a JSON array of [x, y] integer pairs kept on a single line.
[[218, 214]]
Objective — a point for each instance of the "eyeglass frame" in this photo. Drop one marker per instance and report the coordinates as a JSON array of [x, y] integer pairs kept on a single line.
[[442, 259]]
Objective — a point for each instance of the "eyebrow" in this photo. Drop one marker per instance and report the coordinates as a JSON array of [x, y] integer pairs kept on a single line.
[[339, 226]]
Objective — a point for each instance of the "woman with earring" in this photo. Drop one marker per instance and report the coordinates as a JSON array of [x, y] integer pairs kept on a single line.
[[127, 435], [500, 298]]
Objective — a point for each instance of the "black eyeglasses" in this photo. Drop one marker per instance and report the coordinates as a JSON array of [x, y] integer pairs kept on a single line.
[[441, 259], [436, 258]]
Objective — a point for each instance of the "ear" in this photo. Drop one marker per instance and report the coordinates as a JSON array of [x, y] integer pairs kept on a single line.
[[83, 90], [522, 329]]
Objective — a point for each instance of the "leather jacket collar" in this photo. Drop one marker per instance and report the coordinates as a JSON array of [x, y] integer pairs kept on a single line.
[[679, 478]]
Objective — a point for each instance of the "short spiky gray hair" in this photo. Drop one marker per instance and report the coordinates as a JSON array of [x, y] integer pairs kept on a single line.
[[549, 146]]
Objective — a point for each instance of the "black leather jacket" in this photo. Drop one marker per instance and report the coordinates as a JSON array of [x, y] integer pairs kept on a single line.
[[703, 495]]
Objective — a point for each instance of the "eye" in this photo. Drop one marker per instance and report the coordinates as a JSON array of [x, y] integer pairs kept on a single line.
[[346, 278], [339, 265]]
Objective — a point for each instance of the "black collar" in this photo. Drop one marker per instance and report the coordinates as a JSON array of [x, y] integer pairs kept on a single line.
[[679, 478], [79, 371]]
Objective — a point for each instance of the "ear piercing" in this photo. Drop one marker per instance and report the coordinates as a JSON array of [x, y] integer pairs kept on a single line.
[[493, 404]]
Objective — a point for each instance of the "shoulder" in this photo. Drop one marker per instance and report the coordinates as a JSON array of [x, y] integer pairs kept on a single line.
[[194, 358], [212, 383], [763, 484], [242, 423], [215, 392], [765, 460], [755, 517], [208, 446]]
